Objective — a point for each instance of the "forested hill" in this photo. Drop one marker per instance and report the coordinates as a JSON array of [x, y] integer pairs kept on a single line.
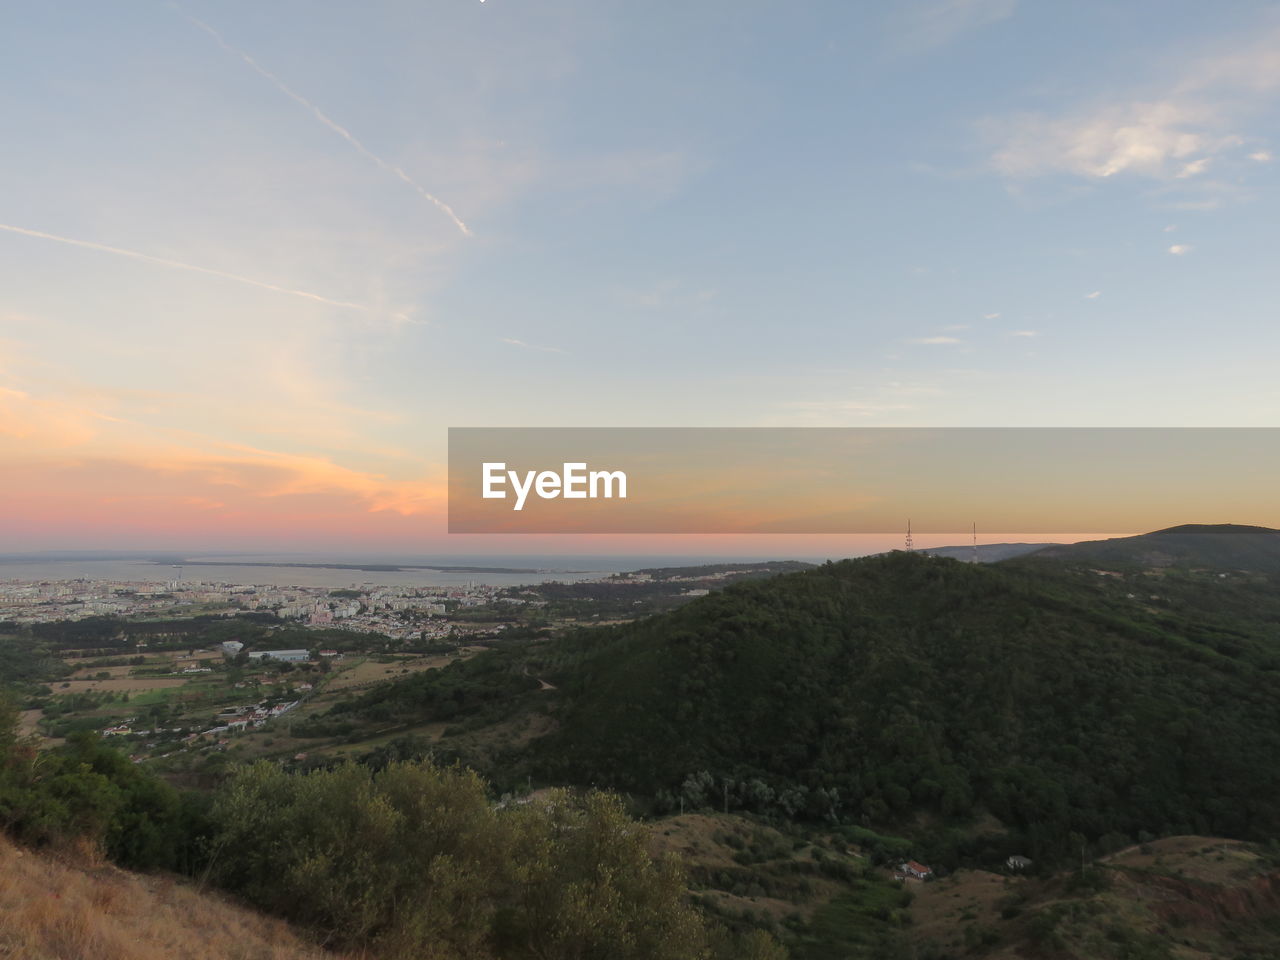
[[1221, 546], [1057, 698]]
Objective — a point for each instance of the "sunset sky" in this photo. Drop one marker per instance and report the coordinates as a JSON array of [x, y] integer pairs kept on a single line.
[[257, 257]]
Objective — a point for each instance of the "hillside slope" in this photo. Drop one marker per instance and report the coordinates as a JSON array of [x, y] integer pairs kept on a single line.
[[55, 910], [1055, 698], [1180, 898], [987, 552]]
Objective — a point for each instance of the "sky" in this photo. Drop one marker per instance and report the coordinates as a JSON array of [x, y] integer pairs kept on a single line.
[[256, 258]]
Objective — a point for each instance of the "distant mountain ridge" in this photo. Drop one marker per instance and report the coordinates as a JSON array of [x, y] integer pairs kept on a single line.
[[1034, 689], [1226, 546]]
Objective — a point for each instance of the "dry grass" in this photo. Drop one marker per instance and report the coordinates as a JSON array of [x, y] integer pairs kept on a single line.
[[939, 907], [28, 721], [1208, 859], [370, 671], [55, 909], [698, 840]]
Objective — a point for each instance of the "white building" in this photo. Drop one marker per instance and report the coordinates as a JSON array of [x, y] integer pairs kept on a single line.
[[288, 656]]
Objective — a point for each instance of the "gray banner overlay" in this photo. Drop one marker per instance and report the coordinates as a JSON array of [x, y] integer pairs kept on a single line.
[[858, 480]]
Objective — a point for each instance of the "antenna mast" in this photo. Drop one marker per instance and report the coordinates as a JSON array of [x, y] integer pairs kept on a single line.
[[975, 542], [908, 535]]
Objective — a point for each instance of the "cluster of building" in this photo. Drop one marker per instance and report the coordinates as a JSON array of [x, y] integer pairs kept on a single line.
[[230, 719], [401, 612], [233, 719], [44, 601]]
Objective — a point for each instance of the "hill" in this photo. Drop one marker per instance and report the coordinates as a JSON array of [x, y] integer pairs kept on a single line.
[[1223, 546], [54, 909], [1177, 897], [1180, 897], [1058, 700], [987, 552]]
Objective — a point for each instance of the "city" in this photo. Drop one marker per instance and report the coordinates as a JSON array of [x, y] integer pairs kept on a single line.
[[402, 613]]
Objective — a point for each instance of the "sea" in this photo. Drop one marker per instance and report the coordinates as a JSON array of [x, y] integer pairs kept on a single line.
[[294, 570]]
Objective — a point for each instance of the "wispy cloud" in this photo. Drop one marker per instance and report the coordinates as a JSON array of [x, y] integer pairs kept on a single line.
[[54, 430], [1179, 249], [1193, 168], [179, 265], [529, 346], [1155, 139], [991, 316], [933, 341], [1093, 296], [329, 122], [1024, 333], [1171, 132]]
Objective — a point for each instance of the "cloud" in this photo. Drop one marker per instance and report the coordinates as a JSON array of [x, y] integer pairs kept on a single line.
[[52, 435], [1141, 138], [1193, 168], [1024, 333], [1261, 156], [1171, 133], [530, 346], [991, 316], [179, 265], [1093, 296], [1178, 249], [51, 426], [931, 341], [274, 475], [333, 125]]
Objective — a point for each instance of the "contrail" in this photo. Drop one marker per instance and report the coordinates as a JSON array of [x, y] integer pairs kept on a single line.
[[179, 265], [333, 125]]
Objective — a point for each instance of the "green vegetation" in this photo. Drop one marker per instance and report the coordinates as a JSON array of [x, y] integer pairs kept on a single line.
[[814, 729], [910, 695], [415, 861], [85, 789], [411, 861], [1222, 546], [882, 687], [484, 683], [27, 662], [866, 921]]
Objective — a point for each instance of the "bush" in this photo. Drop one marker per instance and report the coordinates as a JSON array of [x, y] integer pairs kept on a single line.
[[413, 861]]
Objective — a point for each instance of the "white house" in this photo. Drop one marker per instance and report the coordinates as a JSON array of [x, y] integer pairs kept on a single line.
[[288, 656]]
